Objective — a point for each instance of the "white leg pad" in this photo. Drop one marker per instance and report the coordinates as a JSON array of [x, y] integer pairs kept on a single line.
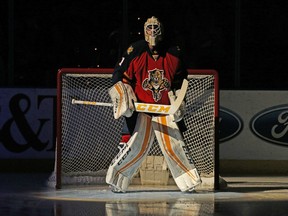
[[175, 152], [186, 183], [129, 159], [120, 182]]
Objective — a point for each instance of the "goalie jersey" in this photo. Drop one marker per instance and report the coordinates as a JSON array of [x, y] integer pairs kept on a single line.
[[152, 74]]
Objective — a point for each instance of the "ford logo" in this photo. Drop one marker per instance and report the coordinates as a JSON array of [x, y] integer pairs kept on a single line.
[[272, 125], [230, 124]]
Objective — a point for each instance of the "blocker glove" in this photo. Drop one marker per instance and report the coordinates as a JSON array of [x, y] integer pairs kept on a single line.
[[179, 114]]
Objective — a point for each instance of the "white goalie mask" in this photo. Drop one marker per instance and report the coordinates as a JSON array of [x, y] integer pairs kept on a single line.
[[152, 31]]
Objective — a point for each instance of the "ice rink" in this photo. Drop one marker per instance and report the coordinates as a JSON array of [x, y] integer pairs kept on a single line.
[[27, 194]]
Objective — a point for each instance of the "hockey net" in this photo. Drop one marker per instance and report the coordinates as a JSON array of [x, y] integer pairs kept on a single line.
[[88, 136]]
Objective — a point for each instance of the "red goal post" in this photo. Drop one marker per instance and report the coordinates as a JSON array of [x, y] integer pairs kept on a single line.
[[87, 136]]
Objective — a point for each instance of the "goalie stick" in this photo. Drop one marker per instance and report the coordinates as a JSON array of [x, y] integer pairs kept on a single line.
[[147, 107]]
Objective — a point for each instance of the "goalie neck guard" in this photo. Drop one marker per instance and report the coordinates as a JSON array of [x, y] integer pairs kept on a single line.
[[152, 31]]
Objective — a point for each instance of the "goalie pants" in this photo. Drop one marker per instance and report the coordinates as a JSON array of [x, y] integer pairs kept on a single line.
[[129, 159]]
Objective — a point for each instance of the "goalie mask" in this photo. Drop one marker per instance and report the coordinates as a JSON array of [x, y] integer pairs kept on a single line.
[[152, 31]]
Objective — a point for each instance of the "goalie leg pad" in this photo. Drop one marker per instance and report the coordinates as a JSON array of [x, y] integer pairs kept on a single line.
[[184, 181], [120, 182], [175, 152], [129, 159]]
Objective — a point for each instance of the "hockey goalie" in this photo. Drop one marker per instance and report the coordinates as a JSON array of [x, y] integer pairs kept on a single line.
[[150, 72]]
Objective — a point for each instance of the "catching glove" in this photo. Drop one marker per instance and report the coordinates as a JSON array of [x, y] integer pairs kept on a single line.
[[123, 98]]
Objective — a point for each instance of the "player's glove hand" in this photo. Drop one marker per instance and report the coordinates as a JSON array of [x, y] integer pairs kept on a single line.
[[179, 114], [123, 98]]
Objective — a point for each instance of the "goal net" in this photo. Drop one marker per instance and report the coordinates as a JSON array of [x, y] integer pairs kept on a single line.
[[88, 136]]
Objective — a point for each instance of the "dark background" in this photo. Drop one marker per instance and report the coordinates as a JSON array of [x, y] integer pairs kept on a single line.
[[244, 40]]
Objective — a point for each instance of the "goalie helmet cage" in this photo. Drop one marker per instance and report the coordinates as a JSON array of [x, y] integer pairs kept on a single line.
[[88, 136]]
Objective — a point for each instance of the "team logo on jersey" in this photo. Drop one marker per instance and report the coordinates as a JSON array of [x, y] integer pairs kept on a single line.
[[156, 83]]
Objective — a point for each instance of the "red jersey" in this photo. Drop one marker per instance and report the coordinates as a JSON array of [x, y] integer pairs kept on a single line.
[[151, 78]]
